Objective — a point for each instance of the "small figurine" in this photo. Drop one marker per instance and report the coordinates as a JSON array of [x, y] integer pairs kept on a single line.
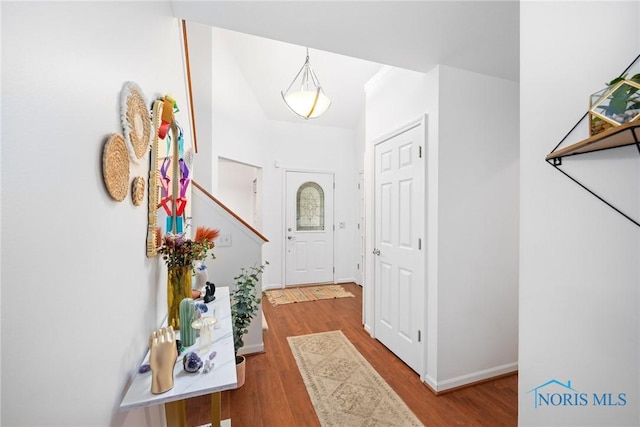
[[201, 275], [210, 292]]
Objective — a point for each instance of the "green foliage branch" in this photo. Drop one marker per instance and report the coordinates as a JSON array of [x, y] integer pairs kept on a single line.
[[244, 303]]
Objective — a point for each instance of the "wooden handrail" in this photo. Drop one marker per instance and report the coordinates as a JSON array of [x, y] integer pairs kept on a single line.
[[187, 63], [229, 211]]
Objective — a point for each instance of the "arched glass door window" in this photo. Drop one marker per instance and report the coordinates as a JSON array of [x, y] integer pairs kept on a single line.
[[310, 207]]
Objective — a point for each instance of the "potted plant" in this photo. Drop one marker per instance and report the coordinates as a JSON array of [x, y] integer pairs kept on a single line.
[[245, 302], [616, 104]]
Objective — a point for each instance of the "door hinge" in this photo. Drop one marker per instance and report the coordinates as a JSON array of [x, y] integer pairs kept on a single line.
[[419, 244], [420, 151], [419, 335], [334, 227], [358, 266], [358, 186], [334, 269]]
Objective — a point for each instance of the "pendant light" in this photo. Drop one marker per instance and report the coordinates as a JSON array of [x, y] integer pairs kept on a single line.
[[305, 96]]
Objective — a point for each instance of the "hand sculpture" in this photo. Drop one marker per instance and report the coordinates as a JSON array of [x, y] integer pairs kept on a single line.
[[162, 359]]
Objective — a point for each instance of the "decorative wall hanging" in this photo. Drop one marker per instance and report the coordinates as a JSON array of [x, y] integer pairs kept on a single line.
[[135, 121], [137, 190], [613, 121], [169, 176], [153, 234], [115, 167]]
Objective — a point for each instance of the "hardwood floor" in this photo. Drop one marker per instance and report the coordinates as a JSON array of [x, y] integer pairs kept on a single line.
[[274, 393]]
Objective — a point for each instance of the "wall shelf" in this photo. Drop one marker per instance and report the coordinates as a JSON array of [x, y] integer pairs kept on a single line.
[[621, 136], [616, 137]]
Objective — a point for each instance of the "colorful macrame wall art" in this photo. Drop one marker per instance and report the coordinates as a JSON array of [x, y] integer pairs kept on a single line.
[[171, 163]]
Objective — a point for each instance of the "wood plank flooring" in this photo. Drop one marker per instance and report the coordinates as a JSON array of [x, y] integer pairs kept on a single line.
[[274, 393]]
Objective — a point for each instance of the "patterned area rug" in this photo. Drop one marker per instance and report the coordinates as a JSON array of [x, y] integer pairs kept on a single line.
[[305, 293], [344, 389]]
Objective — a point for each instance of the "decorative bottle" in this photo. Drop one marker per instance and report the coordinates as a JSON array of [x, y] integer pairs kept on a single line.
[[201, 276]]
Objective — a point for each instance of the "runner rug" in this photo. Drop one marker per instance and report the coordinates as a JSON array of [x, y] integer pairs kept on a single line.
[[344, 388], [305, 293]]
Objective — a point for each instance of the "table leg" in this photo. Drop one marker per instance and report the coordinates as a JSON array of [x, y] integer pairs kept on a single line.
[[176, 413], [215, 409]]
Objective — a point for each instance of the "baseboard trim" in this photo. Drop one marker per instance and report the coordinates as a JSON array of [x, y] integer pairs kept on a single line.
[[272, 286], [367, 328], [469, 380], [251, 349], [223, 423]]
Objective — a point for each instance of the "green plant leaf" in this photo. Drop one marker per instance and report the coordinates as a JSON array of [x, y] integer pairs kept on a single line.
[[245, 302]]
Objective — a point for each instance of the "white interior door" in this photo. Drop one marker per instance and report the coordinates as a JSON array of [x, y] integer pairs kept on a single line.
[[309, 228], [398, 242], [361, 236]]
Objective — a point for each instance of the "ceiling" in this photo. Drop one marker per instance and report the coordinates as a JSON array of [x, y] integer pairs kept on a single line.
[[349, 42]]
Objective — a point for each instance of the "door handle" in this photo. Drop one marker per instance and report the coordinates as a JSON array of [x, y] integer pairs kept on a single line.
[[376, 252], [291, 238]]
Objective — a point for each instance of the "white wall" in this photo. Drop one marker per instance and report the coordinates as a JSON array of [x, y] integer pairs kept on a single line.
[[471, 217], [79, 296], [236, 188], [200, 43], [245, 251], [579, 259], [315, 148], [477, 228], [243, 134]]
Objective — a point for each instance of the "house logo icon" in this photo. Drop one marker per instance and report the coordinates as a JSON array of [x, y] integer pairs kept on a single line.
[[556, 393]]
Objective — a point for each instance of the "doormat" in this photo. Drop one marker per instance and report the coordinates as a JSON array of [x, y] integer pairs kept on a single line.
[[305, 293], [344, 388]]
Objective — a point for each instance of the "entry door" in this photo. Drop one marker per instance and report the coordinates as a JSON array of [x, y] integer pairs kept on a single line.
[[309, 228], [398, 249]]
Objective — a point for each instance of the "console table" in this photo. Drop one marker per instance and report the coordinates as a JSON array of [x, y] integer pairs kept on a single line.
[[222, 377]]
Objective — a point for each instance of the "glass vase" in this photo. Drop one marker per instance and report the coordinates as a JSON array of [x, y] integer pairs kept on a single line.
[[178, 288]]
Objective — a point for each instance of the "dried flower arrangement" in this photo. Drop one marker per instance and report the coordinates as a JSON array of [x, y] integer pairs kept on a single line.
[[177, 250]]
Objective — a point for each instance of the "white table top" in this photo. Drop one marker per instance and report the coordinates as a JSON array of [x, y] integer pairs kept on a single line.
[[221, 377]]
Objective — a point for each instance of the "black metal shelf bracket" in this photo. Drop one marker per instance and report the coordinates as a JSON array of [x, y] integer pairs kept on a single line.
[[552, 163], [556, 161]]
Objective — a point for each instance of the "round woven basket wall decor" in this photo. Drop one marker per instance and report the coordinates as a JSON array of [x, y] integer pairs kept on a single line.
[[137, 190], [136, 121], [115, 167]]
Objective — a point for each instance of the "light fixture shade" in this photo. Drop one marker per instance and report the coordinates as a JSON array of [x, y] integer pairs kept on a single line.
[[305, 96]]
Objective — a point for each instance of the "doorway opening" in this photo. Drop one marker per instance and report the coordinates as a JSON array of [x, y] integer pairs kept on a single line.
[[240, 187]]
